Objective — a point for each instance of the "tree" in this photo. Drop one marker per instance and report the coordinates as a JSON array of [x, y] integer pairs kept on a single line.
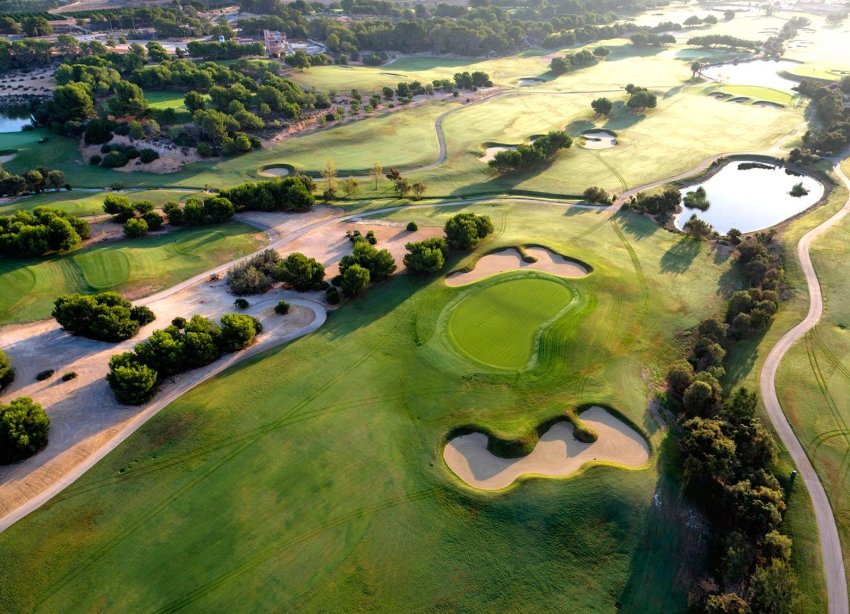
[[709, 454], [355, 280], [601, 52], [194, 101], [35, 25], [135, 227], [238, 331], [428, 256], [641, 100], [71, 102], [699, 399], [23, 429], [7, 371], [418, 188], [698, 229], [300, 272], [602, 106], [729, 15], [106, 316], [696, 68], [128, 100], [597, 195], [132, 382], [376, 171], [299, 60], [349, 187], [402, 187], [379, 263], [464, 230], [118, 207], [680, 376], [329, 175], [8, 25]]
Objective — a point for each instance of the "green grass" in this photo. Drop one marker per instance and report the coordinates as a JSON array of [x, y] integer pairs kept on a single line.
[[497, 321], [137, 267], [322, 460], [90, 203]]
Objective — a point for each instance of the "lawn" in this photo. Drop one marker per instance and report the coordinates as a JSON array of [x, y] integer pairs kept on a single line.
[[310, 478], [497, 321], [169, 100], [82, 203], [137, 267]]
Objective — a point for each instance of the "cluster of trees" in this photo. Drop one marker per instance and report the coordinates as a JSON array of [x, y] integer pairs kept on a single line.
[[751, 311], [663, 204], [651, 39], [728, 457], [169, 21], [116, 156], [42, 230], [698, 229], [228, 50], [365, 264], [525, 156], [579, 59], [293, 193], [724, 40], [774, 47], [23, 429], [138, 217], [184, 345], [106, 316], [829, 105], [462, 232], [256, 274], [34, 181], [640, 98], [695, 20], [596, 196], [195, 212], [587, 34]]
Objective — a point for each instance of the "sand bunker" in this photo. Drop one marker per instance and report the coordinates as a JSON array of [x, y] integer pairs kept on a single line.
[[557, 454], [490, 152], [510, 260], [275, 171], [528, 81], [771, 105], [598, 139], [7, 158], [738, 99]]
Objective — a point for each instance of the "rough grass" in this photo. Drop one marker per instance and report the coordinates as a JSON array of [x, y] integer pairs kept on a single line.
[[141, 266], [90, 203], [496, 321]]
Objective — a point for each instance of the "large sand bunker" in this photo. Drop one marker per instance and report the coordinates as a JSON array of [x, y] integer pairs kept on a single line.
[[598, 139], [490, 152], [511, 260], [276, 171], [557, 454]]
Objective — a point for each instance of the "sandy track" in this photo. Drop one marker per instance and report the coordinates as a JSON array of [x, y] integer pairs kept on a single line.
[[557, 454], [830, 540], [510, 260]]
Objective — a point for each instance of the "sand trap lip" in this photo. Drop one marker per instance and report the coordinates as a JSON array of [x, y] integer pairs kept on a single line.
[[276, 171], [598, 139], [557, 454], [490, 152], [766, 103], [510, 260]]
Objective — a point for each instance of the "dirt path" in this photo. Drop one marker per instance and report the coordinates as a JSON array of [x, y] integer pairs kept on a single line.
[[833, 561]]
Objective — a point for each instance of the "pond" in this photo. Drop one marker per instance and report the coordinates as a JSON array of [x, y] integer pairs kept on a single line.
[[751, 199], [764, 73], [13, 123]]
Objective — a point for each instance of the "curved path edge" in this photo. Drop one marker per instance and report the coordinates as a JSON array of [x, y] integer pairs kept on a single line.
[[830, 540], [320, 315]]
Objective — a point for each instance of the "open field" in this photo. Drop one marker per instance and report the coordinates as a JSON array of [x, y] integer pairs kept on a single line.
[[309, 539], [136, 267]]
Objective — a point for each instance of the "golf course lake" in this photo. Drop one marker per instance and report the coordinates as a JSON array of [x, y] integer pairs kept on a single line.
[[764, 73], [751, 199], [13, 124]]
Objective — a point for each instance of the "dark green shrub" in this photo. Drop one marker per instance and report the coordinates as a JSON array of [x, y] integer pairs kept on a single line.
[[7, 371], [332, 296], [464, 230], [23, 429], [282, 308], [241, 303], [132, 382], [300, 272], [154, 220], [238, 331], [114, 159], [135, 227], [412, 227], [95, 160], [106, 316], [46, 374], [67, 377], [148, 155]]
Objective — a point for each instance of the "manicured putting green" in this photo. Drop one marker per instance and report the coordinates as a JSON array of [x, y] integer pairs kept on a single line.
[[498, 323]]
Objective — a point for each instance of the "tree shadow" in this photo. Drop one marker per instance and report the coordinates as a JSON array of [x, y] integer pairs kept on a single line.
[[631, 51], [637, 225], [578, 126], [679, 258], [621, 117]]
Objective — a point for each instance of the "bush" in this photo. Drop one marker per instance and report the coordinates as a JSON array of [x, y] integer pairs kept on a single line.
[[332, 295], [379, 263], [43, 375], [106, 316], [282, 308], [412, 227], [135, 227], [427, 256], [300, 272], [23, 429], [154, 220], [596, 194], [95, 160], [115, 159], [253, 276], [464, 230], [67, 377], [355, 279], [132, 382], [238, 331], [148, 155], [241, 303], [205, 150], [7, 371], [42, 230]]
